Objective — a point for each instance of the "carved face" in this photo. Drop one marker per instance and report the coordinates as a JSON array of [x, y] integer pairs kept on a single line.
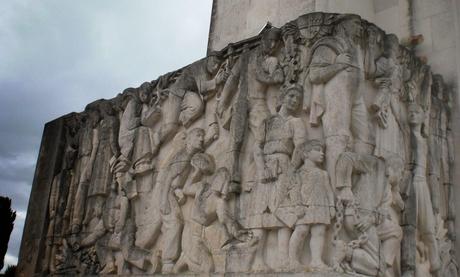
[[291, 100], [353, 27], [191, 108], [395, 170], [392, 46], [195, 140], [213, 64], [94, 117], [315, 155], [144, 96], [270, 41], [416, 115]]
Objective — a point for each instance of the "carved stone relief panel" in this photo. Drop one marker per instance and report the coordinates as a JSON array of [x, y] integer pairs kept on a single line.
[[323, 145]]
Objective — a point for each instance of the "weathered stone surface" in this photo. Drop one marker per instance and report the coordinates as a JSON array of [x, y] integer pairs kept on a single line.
[[320, 148]]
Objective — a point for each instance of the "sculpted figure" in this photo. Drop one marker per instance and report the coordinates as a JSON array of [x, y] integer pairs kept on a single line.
[[201, 78], [146, 141], [107, 152], [440, 144], [69, 169], [336, 72], [387, 107], [425, 216], [254, 74], [388, 230], [316, 207], [169, 195], [210, 205], [278, 137], [88, 144], [360, 184]]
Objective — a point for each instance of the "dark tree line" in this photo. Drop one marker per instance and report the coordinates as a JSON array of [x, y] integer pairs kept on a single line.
[[7, 217]]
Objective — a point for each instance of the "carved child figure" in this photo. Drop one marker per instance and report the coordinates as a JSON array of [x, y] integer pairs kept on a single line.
[[316, 206]]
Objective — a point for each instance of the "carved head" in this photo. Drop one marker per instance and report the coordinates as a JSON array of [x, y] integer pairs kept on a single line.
[[416, 115], [213, 62], [313, 150], [392, 46], [290, 98], [437, 88], [191, 108], [106, 109], [394, 169], [375, 38], [93, 116], [270, 40], [145, 92], [349, 26], [195, 140]]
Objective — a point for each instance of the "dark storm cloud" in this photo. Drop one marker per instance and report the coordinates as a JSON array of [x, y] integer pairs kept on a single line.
[[56, 56]]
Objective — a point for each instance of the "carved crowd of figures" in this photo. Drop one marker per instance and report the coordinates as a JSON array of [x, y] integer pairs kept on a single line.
[[323, 145]]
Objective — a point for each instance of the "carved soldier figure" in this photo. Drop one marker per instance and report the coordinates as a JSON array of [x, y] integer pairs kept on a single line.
[[254, 73], [278, 136], [316, 207], [336, 72]]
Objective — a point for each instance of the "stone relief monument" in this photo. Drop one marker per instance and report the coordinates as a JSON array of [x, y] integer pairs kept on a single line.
[[322, 147]]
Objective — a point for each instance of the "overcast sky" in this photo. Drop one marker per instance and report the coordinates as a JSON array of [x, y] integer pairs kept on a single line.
[[58, 55]]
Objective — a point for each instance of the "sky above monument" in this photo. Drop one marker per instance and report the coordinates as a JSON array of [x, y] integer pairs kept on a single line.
[[57, 56]]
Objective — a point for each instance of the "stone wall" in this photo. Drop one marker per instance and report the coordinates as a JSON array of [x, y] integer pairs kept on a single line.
[[321, 145]]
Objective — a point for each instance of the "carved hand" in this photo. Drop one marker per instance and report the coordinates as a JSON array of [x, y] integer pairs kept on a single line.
[[382, 118], [267, 175], [222, 76], [180, 196], [345, 195], [213, 132], [365, 223]]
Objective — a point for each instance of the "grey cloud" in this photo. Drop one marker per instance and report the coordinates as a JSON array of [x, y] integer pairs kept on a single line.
[[57, 56]]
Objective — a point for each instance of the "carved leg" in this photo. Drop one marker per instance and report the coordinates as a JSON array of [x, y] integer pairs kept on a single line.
[[434, 185], [433, 253], [391, 248], [259, 264], [317, 242], [296, 244], [172, 231], [109, 267], [335, 145], [284, 235]]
